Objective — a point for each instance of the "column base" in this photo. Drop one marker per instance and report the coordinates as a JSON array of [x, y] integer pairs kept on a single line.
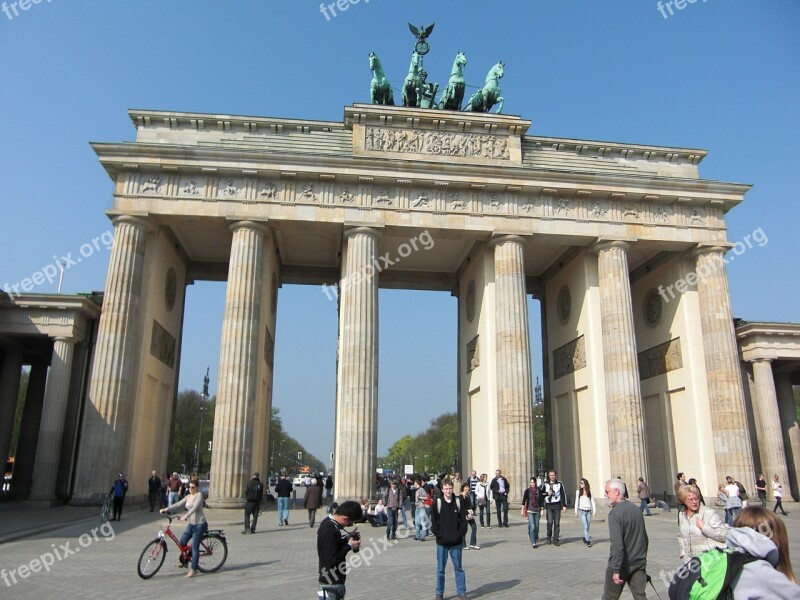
[[225, 503]]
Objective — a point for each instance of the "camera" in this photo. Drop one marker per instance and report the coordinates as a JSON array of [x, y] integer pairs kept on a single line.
[[356, 536]]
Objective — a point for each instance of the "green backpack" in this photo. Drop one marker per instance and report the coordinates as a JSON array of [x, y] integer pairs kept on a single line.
[[708, 576]]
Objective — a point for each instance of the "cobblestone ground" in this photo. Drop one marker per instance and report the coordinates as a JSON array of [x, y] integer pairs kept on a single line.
[[281, 561]]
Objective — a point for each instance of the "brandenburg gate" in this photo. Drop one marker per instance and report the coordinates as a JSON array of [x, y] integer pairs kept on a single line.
[[622, 244]]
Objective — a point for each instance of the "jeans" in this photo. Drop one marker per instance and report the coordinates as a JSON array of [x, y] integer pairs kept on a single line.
[[441, 562], [643, 506], [488, 509], [196, 533], [553, 521], [731, 514], [391, 526], [586, 520], [533, 525], [473, 536], [502, 505], [283, 509], [172, 498], [403, 509], [636, 581], [421, 521], [251, 509]]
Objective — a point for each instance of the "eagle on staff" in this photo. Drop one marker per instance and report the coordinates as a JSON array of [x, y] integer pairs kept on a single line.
[[421, 33]]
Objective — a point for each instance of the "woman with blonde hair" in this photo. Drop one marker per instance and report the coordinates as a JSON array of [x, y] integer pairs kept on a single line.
[[761, 534], [699, 527]]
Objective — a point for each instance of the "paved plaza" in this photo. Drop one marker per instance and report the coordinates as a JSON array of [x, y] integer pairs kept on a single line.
[[280, 562]]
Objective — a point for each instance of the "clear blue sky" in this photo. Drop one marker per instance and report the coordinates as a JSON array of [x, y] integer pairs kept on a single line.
[[720, 75]]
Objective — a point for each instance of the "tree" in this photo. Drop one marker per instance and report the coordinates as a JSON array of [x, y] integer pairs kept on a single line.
[[23, 390], [186, 426], [435, 449]]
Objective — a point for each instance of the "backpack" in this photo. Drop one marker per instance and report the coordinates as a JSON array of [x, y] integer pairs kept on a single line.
[[742, 491], [708, 576], [439, 504]]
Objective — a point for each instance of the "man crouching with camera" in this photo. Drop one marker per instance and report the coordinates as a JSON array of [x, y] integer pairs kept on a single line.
[[333, 544]]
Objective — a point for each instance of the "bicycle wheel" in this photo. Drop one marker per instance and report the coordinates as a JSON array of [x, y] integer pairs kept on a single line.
[[213, 553], [105, 512], [151, 559]]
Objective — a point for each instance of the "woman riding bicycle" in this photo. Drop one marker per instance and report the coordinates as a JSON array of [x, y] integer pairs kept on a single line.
[[193, 503]]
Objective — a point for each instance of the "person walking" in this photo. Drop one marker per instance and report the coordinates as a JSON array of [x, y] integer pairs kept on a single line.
[[585, 508], [333, 544], [482, 500], [532, 508], [473, 537], [777, 491], [449, 525], [421, 500], [118, 490], [196, 519], [627, 561], [555, 503], [761, 490], [643, 491], [252, 506], [500, 488], [174, 489], [680, 481], [153, 489], [313, 500], [283, 490], [733, 504], [329, 488]]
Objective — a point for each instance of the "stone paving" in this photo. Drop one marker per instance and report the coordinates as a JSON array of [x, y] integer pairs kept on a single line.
[[281, 561]]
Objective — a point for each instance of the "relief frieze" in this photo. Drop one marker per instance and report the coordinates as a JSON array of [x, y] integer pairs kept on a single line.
[[569, 358], [438, 143], [660, 359], [162, 345]]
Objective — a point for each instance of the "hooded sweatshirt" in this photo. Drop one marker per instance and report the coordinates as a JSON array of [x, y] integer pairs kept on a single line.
[[759, 580]]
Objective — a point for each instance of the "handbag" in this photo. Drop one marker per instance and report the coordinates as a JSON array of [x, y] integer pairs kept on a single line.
[[482, 501]]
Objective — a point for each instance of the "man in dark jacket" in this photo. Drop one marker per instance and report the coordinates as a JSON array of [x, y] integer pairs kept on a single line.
[[283, 490], [153, 489], [118, 490], [555, 503], [500, 489], [449, 525], [333, 544], [253, 495], [628, 559]]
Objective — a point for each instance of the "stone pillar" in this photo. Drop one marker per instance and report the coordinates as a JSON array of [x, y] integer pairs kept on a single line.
[[514, 387], [734, 455], [628, 451], [109, 406], [29, 431], [791, 431], [238, 368], [10, 374], [56, 395], [770, 437], [356, 443]]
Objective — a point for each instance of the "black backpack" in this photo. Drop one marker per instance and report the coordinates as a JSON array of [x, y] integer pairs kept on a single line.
[[742, 491]]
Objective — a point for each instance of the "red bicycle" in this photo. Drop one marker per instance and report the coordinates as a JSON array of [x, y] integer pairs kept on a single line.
[[213, 552]]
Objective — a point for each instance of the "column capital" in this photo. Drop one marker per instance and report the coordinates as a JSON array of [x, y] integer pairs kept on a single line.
[[760, 359], [601, 245], [362, 230], [704, 249], [502, 238], [141, 221], [64, 338], [259, 227]]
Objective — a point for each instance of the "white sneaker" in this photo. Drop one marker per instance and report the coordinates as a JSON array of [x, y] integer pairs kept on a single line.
[[475, 547]]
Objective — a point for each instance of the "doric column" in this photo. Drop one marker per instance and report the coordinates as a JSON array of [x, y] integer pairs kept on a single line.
[[770, 437], [790, 429], [514, 387], [107, 414], [628, 451], [56, 395], [734, 455], [29, 431], [238, 368], [356, 443], [9, 394]]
